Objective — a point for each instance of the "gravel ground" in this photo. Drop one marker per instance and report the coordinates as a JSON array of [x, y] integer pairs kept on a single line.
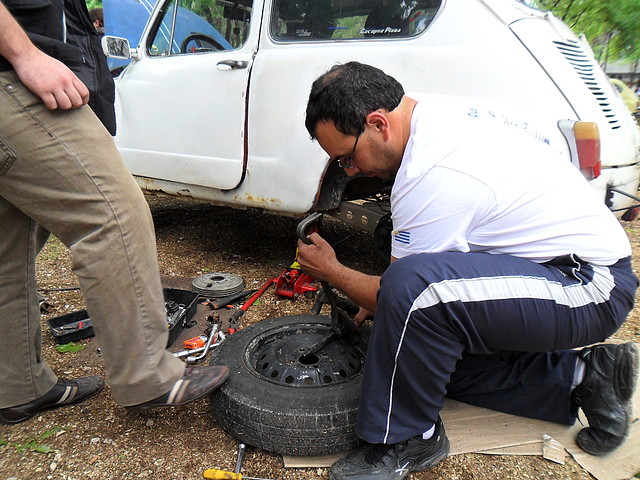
[[100, 440]]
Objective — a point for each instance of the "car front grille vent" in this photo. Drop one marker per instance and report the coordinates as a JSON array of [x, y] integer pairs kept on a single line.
[[584, 67]]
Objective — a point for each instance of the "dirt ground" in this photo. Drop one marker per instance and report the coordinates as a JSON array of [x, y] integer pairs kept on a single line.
[[100, 440]]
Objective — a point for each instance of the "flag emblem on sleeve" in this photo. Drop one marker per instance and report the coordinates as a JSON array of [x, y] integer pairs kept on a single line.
[[402, 236]]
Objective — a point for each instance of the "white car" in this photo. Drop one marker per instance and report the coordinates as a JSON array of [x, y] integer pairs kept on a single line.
[[212, 104]]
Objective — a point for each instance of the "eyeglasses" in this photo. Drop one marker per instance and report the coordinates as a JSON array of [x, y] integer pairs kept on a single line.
[[344, 161]]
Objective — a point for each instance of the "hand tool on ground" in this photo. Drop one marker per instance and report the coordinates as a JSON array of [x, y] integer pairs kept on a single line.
[[215, 474], [73, 327], [187, 353], [233, 321], [195, 342], [242, 448], [207, 346], [224, 301]]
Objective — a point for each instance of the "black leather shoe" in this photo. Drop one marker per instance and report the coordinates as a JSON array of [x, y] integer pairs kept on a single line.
[[196, 382], [604, 396], [65, 392], [396, 461]]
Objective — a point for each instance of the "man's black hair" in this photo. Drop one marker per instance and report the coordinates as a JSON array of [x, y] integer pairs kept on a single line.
[[349, 92]]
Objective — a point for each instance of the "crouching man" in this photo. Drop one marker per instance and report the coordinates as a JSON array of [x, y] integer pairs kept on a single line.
[[503, 261]]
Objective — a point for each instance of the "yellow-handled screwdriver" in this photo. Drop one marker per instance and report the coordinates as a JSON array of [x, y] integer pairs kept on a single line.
[[215, 474]]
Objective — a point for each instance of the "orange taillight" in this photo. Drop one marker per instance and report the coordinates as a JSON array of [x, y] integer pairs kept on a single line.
[[588, 146]]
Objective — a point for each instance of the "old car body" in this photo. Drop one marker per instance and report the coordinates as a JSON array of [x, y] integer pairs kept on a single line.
[[223, 122]]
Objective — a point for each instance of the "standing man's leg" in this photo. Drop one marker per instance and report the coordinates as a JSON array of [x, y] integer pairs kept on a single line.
[[24, 375], [62, 170]]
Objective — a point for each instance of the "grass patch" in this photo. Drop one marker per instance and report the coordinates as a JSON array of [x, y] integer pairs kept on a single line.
[[34, 443], [69, 347]]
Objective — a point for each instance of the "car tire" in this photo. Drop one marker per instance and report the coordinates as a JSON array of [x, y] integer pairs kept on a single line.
[[311, 414]]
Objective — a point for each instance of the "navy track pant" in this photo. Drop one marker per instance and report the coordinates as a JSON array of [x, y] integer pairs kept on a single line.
[[489, 330]]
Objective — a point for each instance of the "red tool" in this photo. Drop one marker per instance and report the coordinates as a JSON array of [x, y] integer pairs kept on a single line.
[[238, 313], [290, 283]]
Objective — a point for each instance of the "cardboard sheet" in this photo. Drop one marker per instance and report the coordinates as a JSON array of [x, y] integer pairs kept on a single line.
[[473, 429], [478, 430]]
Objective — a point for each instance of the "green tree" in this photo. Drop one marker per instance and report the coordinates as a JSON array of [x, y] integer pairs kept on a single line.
[[94, 4], [610, 26]]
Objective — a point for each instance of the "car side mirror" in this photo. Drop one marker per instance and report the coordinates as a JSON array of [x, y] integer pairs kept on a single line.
[[117, 47]]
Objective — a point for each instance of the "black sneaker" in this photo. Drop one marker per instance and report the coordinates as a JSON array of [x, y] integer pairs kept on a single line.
[[604, 396], [195, 383], [64, 392], [397, 461]]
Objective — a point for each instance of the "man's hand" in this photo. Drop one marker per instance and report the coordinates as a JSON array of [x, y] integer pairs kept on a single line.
[[52, 81], [361, 316], [317, 258]]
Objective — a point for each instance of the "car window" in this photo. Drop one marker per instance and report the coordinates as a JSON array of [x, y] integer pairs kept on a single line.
[[317, 20], [198, 26]]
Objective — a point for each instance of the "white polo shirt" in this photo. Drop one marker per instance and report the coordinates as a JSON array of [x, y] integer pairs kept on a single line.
[[474, 180]]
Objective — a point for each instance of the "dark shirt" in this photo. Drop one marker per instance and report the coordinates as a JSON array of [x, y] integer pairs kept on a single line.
[[41, 19], [44, 22]]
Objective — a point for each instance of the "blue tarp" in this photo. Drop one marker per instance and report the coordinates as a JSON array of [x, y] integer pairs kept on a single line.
[[127, 19]]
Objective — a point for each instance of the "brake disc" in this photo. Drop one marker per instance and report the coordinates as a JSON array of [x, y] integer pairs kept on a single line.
[[217, 284]]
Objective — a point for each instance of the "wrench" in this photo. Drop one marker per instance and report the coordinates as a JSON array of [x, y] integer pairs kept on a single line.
[[207, 346]]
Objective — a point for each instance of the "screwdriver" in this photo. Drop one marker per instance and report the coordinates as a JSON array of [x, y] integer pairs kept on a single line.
[[215, 474]]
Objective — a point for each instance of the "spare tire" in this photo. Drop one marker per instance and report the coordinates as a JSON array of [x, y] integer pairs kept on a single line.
[[283, 402]]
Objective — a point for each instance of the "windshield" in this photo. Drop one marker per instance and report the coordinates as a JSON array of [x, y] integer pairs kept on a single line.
[[315, 20]]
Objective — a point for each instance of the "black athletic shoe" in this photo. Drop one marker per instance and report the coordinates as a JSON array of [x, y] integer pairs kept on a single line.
[[64, 392], [397, 461], [195, 383], [604, 396]]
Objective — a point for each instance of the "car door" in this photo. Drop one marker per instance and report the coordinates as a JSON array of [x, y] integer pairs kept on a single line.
[[181, 104]]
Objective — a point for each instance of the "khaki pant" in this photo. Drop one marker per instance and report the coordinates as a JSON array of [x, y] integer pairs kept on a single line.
[[61, 173]]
